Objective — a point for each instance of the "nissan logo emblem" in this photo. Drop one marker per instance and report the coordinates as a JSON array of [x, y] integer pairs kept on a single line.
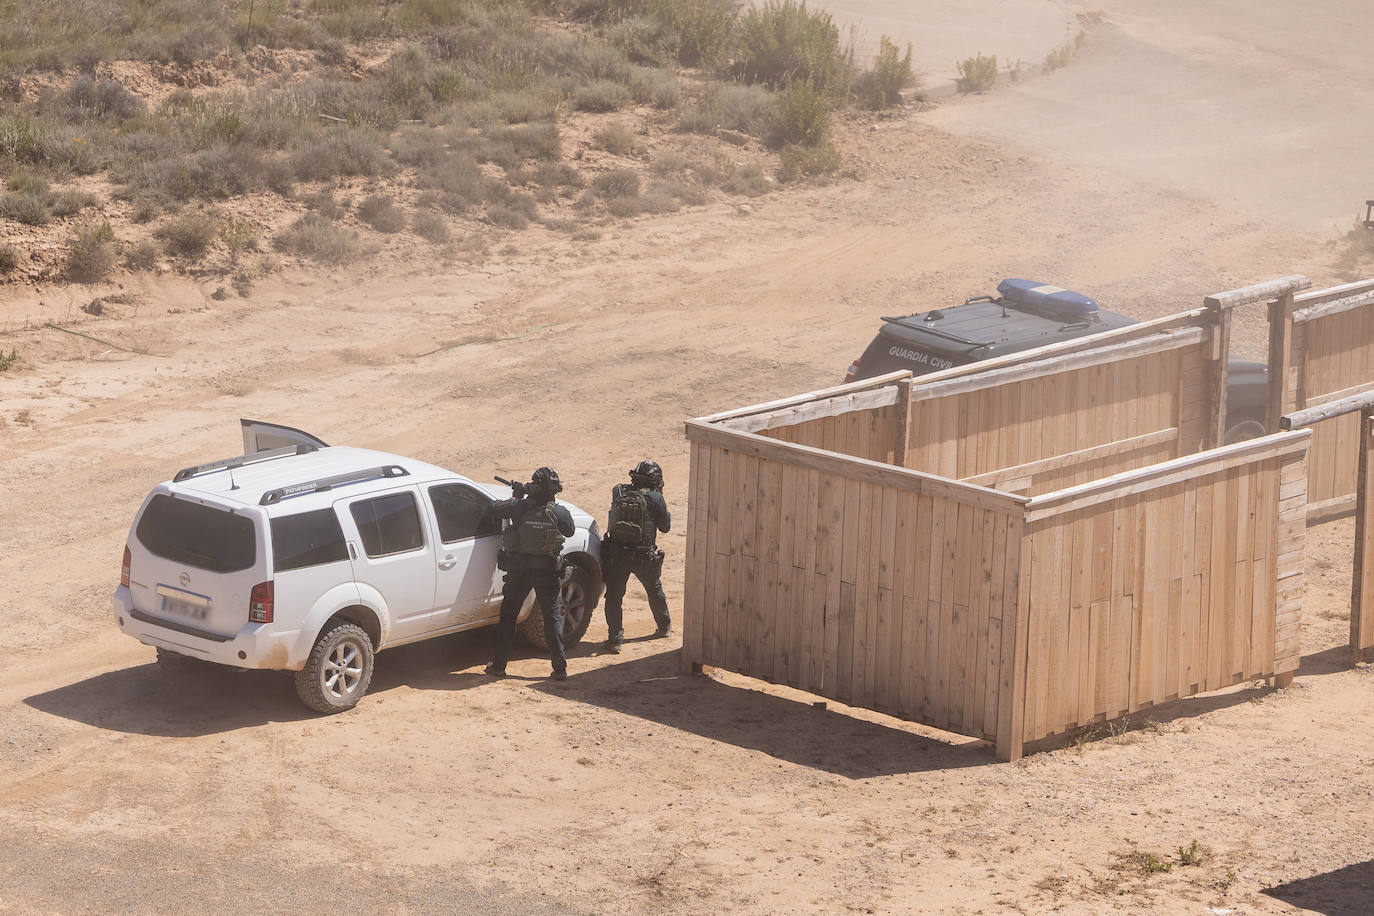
[[185, 579]]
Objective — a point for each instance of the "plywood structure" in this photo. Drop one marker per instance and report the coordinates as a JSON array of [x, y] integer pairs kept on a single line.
[[1008, 550]]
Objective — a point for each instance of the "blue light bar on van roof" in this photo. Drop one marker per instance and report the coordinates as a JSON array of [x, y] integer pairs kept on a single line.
[[1052, 300]]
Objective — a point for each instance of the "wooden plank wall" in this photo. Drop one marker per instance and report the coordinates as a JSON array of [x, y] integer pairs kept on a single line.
[[882, 596], [978, 433], [1333, 357], [1162, 590], [870, 434]]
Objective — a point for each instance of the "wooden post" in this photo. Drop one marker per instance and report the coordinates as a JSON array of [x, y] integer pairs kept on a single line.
[[903, 439], [1280, 359], [1362, 577], [1216, 386]]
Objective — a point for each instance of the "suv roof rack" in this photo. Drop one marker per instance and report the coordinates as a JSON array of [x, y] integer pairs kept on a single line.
[[272, 497], [243, 460]]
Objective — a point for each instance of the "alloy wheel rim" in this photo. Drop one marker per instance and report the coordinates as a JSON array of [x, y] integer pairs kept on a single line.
[[342, 670]]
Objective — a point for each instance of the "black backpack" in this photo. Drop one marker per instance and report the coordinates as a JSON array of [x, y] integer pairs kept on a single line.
[[631, 522]]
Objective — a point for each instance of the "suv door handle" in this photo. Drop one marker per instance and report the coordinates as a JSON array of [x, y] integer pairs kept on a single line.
[[448, 562]]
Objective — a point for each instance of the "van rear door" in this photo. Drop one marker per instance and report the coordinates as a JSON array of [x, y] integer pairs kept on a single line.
[[259, 437]]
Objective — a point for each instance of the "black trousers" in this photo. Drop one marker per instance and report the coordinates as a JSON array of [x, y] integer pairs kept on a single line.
[[517, 586], [646, 566]]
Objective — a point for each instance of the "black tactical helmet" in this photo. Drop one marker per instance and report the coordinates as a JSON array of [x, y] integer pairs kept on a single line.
[[647, 473], [546, 479]]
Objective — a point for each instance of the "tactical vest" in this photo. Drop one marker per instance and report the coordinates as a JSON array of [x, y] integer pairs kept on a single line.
[[631, 523], [535, 533]]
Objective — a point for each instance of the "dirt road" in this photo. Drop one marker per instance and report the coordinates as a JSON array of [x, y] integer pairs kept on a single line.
[[628, 788]]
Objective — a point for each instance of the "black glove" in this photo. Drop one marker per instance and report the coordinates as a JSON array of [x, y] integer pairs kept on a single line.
[[519, 489]]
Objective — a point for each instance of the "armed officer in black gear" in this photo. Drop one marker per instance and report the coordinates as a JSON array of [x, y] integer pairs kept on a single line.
[[533, 542], [638, 513]]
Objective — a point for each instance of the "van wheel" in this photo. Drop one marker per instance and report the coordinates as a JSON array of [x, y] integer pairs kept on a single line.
[[339, 668], [575, 590]]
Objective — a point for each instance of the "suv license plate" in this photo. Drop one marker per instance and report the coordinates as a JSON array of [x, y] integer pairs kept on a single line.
[[188, 609]]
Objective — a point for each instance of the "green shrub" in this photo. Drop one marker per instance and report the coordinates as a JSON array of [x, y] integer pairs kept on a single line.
[[525, 141], [92, 254], [430, 226], [645, 40], [600, 96], [381, 213], [783, 42], [978, 73], [324, 203], [27, 182], [142, 256], [91, 97], [7, 360], [9, 258], [803, 115], [238, 235], [616, 183], [799, 161], [188, 235], [1059, 57], [617, 139], [26, 207], [668, 162], [658, 88], [749, 181], [316, 238], [69, 203], [341, 152], [696, 32], [459, 184], [748, 109], [882, 86], [507, 216]]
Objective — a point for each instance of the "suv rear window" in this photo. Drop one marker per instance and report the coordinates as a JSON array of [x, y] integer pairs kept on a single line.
[[388, 524], [307, 539], [197, 535]]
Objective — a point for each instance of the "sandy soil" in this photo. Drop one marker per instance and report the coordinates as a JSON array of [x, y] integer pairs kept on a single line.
[[628, 788]]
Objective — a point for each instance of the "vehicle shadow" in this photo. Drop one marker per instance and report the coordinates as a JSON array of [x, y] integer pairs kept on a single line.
[[653, 688], [1343, 892], [210, 699]]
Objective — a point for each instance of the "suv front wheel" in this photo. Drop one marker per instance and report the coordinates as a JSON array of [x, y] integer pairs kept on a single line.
[[339, 668]]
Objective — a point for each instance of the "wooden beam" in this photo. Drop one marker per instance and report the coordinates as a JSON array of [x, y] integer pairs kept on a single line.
[[815, 410], [1257, 292], [903, 438], [1362, 575], [997, 479], [878, 381], [1166, 473], [858, 469], [1280, 360], [1300, 419], [1318, 400], [1336, 307], [1217, 369], [1332, 293], [1328, 510], [1068, 362]]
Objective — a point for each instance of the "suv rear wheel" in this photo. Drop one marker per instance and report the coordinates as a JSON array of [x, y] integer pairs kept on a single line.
[[339, 668], [575, 590]]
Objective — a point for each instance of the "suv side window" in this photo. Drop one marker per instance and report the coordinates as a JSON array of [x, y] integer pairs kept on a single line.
[[307, 539], [462, 513], [388, 524]]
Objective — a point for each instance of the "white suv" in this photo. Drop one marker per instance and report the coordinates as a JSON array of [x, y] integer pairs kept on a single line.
[[310, 558]]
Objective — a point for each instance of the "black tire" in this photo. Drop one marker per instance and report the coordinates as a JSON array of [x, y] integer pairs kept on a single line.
[[577, 592], [1245, 429], [339, 668]]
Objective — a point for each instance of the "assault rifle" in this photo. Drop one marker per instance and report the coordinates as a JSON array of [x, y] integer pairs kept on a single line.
[[517, 489]]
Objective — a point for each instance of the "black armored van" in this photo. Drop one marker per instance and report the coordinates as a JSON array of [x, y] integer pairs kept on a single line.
[[1022, 316]]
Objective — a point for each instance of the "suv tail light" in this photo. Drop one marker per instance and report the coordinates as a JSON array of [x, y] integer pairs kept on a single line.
[[260, 603], [853, 370], [124, 568]]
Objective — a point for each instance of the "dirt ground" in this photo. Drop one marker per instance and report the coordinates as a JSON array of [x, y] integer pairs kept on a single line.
[[629, 788]]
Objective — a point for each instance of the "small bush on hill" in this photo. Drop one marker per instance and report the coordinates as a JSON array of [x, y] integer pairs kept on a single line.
[[341, 152], [658, 88], [617, 139], [783, 42], [238, 235], [25, 207], [9, 258], [430, 226], [803, 115], [323, 203], [142, 256], [381, 213], [978, 73], [188, 235], [91, 97], [69, 203], [749, 181], [799, 161], [93, 253], [316, 238], [28, 182], [882, 86], [600, 96], [616, 183], [1059, 57]]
